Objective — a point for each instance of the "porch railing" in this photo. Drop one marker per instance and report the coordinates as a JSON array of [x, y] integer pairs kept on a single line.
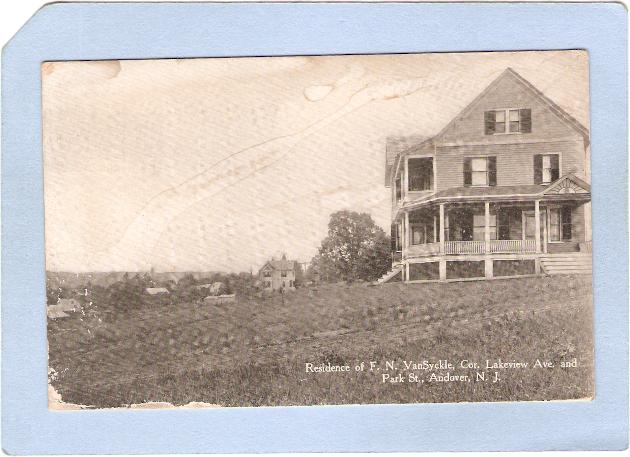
[[513, 246], [418, 250], [472, 247], [464, 247]]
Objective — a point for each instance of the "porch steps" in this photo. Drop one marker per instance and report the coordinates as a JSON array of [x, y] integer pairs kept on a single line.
[[391, 274], [567, 264]]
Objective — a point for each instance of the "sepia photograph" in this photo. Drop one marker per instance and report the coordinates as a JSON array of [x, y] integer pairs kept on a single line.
[[318, 230]]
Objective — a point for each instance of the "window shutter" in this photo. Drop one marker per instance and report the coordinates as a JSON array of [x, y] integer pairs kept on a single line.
[[492, 171], [467, 171], [555, 167], [537, 169], [525, 116], [566, 223], [489, 121]]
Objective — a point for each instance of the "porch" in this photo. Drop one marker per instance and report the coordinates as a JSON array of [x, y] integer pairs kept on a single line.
[[492, 228]]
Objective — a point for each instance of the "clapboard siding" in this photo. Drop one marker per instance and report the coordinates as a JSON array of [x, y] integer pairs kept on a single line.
[[507, 92], [515, 162]]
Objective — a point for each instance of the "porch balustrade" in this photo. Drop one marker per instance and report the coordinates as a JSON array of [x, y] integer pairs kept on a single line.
[[472, 247], [465, 247], [513, 246], [418, 250]]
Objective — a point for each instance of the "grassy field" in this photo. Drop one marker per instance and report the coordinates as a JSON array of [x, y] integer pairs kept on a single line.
[[253, 352]]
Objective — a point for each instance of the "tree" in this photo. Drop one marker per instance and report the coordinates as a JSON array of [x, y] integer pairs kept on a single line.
[[355, 248]]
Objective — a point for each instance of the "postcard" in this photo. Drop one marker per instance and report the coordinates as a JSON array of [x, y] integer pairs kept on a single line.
[[318, 230]]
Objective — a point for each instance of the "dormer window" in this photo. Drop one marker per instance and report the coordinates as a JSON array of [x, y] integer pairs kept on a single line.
[[504, 121]]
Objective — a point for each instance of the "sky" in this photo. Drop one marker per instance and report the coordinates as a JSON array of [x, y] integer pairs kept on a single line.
[[219, 164]]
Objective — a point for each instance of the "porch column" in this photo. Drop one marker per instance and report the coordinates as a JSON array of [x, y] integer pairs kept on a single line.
[[435, 231], [489, 273], [442, 228], [537, 217], [407, 231], [442, 264], [487, 229]]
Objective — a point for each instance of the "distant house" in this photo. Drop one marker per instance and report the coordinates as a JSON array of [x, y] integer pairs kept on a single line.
[[219, 299], [62, 307], [156, 290], [215, 288], [279, 274]]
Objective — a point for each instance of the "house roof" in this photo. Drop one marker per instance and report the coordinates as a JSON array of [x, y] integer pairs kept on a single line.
[[282, 264], [532, 189], [400, 145], [509, 72]]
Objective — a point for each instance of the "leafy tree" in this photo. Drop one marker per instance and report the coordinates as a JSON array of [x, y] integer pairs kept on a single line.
[[355, 248]]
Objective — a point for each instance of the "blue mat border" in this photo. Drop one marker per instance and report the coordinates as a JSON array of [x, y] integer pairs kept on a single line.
[[86, 31]]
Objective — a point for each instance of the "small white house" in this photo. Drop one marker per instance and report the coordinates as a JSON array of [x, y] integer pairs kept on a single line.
[[157, 290], [219, 299], [62, 307], [214, 288]]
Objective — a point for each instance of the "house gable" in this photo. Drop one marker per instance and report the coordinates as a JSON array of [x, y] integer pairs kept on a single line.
[[511, 91], [568, 184], [265, 268]]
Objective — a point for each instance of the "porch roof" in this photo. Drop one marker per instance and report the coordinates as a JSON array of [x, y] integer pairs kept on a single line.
[[580, 191]]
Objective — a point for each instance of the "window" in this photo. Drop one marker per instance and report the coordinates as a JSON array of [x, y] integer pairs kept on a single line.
[[420, 172], [459, 225], [514, 121], [267, 274], [398, 189], [480, 171], [499, 122], [546, 168], [508, 223], [508, 121], [479, 227], [421, 233], [283, 273], [560, 228]]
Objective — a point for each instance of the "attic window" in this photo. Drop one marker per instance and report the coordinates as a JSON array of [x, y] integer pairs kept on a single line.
[[503, 121]]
